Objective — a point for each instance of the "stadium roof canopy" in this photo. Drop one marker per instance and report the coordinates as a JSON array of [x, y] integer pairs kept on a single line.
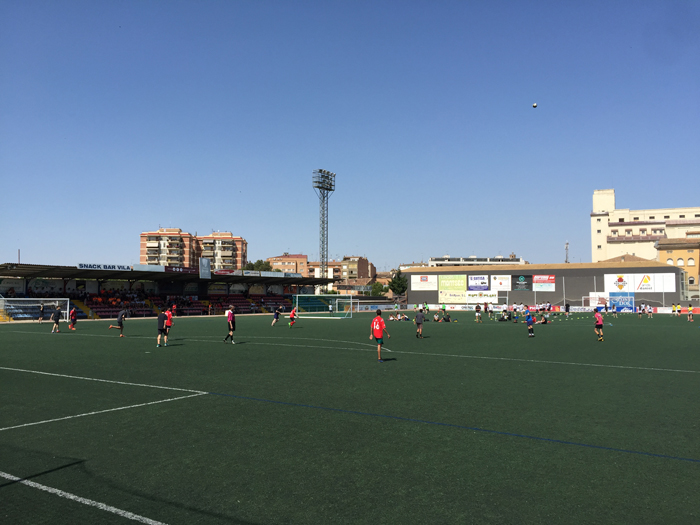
[[31, 271]]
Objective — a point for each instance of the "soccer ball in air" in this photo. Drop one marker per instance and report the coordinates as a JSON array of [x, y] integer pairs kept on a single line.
[[534, 105]]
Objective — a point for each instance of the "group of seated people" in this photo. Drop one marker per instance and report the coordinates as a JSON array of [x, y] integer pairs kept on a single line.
[[436, 318]]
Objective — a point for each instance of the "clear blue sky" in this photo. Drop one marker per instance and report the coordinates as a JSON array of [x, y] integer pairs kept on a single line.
[[119, 117]]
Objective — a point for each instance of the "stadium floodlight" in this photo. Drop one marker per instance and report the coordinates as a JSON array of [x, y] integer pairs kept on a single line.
[[324, 184]]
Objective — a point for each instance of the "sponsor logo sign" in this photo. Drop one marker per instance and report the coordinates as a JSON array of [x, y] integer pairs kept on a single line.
[[482, 297], [452, 289], [622, 302], [640, 282], [543, 283], [113, 267], [521, 283], [180, 269], [204, 268], [424, 283], [478, 282], [500, 283]]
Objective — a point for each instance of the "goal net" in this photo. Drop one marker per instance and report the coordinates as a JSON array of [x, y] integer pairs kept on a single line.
[[325, 306], [595, 300], [13, 309]]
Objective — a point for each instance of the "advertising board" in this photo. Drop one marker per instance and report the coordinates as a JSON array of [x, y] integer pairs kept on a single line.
[[522, 283], [452, 289], [482, 297], [543, 283], [640, 282], [500, 283], [424, 283], [478, 283]]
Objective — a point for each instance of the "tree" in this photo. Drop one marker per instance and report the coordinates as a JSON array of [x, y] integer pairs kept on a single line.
[[377, 289], [398, 284], [259, 265]]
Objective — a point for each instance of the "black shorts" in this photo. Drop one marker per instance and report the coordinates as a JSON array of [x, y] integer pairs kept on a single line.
[[120, 324], [599, 326], [231, 327], [163, 331]]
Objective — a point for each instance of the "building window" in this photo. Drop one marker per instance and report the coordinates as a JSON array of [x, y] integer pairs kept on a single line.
[[667, 216], [691, 261], [599, 246], [669, 261], [691, 280], [599, 219], [614, 233], [598, 231], [621, 220], [628, 232], [681, 216], [681, 262], [669, 251], [636, 218], [652, 217], [697, 214], [642, 232]]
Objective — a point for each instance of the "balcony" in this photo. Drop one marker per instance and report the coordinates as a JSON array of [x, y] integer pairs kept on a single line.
[[613, 239], [152, 244]]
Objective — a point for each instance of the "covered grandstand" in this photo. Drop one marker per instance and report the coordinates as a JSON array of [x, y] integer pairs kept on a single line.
[[100, 293]]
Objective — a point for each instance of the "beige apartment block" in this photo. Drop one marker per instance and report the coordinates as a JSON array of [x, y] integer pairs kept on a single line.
[[616, 232], [173, 247], [224, 250], [290, 263], [168, 247]]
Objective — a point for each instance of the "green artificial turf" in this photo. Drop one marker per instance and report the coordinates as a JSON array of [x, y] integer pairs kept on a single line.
[[475, 423]]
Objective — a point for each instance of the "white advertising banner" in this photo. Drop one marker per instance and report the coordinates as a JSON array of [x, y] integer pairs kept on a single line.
[[543, 283], [482, 297], [500, 283], [640, 282], [478, 282], [424, 283]]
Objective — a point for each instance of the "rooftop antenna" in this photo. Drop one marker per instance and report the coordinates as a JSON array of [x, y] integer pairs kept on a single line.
[[566, 248]]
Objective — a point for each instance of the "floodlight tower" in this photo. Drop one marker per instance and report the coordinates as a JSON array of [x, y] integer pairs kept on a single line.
[[324, 185]]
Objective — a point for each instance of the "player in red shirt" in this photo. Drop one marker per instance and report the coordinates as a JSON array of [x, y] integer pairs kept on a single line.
[[169, 322], [293, 317], [377, 332], [73, 319]]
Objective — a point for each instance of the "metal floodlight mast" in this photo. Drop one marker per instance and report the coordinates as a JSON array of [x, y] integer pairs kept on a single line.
[[324, 185]]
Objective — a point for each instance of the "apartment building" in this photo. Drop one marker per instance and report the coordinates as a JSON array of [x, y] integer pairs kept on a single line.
[[473, 260], [224, 250], [350, 267], [683, 253], [290, 263], [616, 232], [173, 247], [168, 247]]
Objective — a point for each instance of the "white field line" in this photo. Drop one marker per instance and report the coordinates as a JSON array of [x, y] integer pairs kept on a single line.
[[490, 358], [101, 411], [84, 501], [540, 361], [101, 380]]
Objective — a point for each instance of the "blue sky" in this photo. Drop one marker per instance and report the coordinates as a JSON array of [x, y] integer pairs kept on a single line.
[[119, 117]]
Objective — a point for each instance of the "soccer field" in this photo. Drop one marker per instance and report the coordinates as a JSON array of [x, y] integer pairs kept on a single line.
[[475, 423]]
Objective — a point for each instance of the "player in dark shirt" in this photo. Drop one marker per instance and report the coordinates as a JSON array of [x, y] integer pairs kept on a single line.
[[56, 317], [41, 313], [420, 318], [120, 322], [162, 329]]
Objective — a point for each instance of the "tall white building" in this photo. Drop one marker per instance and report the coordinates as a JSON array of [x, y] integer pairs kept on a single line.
[[618, 232]]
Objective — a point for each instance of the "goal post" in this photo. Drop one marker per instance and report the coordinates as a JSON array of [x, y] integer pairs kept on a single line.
[[29, 309], [325, 306]]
